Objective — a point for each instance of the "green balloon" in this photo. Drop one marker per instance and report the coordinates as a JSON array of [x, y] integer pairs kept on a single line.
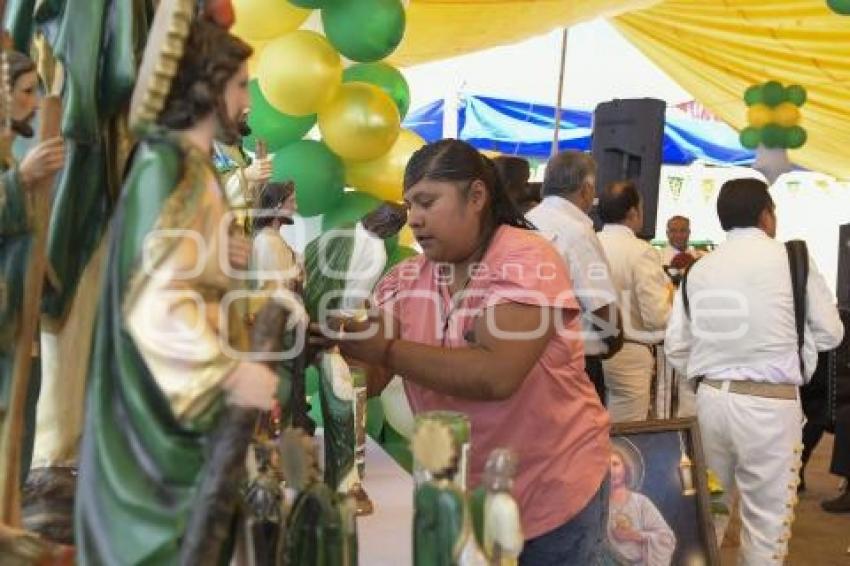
[[313, 4], [774, 93], [272, 126], [795, 137], [364, 30], [390, 244], [351, 207], [374, 417], [318, 174], [754, 95], [750, 137], [839, 6], [384, 76], [796, 95], [773, 136]]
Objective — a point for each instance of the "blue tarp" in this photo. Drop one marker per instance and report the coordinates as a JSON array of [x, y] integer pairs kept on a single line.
[[515, 127]]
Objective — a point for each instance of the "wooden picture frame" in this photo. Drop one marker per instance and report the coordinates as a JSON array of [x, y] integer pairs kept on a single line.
[[702, 542]]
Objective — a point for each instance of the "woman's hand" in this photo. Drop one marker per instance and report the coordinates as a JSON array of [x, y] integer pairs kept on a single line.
[[365, 341]]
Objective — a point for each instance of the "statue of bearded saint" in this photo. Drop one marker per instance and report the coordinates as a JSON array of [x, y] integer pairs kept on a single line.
[[161, 372], [24, 193]]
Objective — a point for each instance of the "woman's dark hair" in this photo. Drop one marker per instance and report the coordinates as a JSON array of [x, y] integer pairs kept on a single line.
[[212, 57], [271, 197], [457, 161], [741, 202], [617, 200]]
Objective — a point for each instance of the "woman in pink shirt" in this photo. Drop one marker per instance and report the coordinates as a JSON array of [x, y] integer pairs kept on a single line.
[[485, 323]]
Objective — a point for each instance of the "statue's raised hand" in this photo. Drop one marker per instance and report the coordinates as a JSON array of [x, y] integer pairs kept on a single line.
[[251, 385], [45, 159]]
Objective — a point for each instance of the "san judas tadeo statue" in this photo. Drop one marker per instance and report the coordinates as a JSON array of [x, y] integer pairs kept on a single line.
[[161, 379]]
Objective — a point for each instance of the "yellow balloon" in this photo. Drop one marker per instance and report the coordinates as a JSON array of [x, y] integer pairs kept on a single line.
[[759, 115], [787, 114], [254, 61], [266, 19], [360, 123], [299, 72], [383, 177], [406, 237]]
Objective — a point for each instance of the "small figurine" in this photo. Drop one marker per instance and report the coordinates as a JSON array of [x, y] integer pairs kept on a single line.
[[321, 528], [337, 395], [442, 528], [498, 527]]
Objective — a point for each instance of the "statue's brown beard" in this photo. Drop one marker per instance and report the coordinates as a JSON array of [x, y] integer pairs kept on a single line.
[[23, 127], [229, 132]]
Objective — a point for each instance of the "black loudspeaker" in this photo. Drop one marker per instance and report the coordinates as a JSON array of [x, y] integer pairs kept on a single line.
[[842, 285], [628, 139]]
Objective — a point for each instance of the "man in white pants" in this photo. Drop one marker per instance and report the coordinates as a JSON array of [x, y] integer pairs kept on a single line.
[[644, 302], [737, 337]]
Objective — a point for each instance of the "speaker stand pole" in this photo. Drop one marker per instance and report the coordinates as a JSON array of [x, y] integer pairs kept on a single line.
[[563, 66]]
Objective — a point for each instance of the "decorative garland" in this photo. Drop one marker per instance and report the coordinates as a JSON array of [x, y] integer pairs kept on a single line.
[[774, 116]]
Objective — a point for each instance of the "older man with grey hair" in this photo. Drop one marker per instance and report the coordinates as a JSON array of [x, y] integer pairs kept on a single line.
[[568, 191]]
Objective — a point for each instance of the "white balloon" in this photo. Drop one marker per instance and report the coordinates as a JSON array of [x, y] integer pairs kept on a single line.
[[397, 409], [772, 163]]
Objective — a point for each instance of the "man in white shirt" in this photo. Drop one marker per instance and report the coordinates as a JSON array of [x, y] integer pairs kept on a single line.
[[678, 240], [643, 297], [738, 339], [568, 195]]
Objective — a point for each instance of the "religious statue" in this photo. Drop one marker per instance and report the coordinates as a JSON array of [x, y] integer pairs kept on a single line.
[[321, 529], [24, 208], [162, 388], [242, 177], [442, 524], [498, 525], [87, 52], [344, 264]]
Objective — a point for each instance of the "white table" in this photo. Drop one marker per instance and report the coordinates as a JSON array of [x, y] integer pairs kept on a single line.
[[386, 536]]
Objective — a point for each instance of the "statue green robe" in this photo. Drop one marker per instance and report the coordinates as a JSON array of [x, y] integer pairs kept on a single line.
[[153, 398], [15, 252]]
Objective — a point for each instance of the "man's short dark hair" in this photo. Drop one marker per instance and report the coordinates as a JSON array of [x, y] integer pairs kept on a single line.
[[566, 172], [741, 202], [617, 200]]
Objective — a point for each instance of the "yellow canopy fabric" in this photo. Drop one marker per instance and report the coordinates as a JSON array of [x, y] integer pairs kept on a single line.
[[715, 50], [438, 29]]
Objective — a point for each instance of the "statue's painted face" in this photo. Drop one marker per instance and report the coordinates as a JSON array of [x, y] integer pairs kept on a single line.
[[236, 103], [25, 102]]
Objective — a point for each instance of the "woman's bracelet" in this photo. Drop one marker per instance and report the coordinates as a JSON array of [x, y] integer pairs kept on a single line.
[[388, 352]]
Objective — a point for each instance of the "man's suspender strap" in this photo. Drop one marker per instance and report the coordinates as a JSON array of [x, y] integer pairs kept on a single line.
[[684, 286], [798, 260]]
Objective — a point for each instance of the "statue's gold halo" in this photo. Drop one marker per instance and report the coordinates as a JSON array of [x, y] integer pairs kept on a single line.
[[298, 459], [433, 446], [163, 51]]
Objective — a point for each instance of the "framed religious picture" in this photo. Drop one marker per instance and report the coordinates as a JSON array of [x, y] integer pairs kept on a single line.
[[659, 510]]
